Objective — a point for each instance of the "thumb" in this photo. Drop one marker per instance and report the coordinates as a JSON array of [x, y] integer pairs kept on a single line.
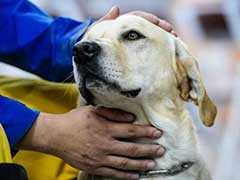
[[112, 14]]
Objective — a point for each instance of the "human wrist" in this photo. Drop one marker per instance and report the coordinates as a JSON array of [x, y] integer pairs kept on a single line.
[[39, 136]]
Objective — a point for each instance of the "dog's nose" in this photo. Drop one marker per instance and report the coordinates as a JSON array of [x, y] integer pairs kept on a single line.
[[86, 50]]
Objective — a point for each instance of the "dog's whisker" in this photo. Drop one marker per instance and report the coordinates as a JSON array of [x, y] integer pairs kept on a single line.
[[69, 77]]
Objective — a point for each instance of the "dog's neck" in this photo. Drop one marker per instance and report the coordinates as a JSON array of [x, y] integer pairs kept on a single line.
[[178, 138], [171, 116]]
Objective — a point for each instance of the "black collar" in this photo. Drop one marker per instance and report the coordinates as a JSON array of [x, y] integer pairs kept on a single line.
[[174, 170]]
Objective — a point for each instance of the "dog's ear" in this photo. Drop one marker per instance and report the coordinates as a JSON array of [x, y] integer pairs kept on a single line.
[[190, 83]]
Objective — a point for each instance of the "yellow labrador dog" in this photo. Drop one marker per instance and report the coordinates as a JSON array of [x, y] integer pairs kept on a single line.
[[131, 64]]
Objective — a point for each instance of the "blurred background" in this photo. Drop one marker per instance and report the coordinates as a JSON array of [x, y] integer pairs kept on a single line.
[[211, 28]]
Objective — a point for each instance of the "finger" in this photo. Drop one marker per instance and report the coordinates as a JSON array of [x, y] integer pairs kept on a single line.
[[115, 114], [165, 25], [135, 150], [129, 164], [174, 33], [113, 173], [112, 14], [154, 19], [134, 131], [148, 16]]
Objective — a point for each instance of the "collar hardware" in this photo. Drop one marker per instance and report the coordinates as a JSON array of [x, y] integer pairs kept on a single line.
[[174, 170]]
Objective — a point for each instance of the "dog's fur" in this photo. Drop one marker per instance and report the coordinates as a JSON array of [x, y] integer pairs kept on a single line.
[[167, 74]]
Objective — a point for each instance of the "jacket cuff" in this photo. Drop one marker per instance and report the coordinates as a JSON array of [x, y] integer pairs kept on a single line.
[[16, 119]]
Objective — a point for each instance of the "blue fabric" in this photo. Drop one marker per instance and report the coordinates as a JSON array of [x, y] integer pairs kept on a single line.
[[32, 40], [35, 42], [16, 119]]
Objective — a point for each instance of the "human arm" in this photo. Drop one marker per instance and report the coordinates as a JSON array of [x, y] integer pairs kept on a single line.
[[86, 138], [89, 139], [35, 42]]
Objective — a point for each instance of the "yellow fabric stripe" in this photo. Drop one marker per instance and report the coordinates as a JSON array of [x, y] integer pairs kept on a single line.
[[5, 154]]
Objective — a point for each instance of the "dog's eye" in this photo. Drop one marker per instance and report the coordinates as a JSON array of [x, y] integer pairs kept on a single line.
[[132, 35]]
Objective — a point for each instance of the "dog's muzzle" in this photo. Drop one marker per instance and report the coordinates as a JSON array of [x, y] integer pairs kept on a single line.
[[86, 52], [86, 57]]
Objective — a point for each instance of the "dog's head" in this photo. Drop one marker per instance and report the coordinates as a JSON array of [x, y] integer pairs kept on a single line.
[[130, 58]]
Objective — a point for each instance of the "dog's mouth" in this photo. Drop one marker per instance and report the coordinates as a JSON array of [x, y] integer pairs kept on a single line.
[[132, 93], [91, 80]]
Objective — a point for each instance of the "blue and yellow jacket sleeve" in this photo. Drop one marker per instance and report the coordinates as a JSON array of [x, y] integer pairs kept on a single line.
[[32, 40]]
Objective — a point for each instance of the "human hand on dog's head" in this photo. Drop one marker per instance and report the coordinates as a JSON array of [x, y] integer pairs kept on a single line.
[[114, 12]]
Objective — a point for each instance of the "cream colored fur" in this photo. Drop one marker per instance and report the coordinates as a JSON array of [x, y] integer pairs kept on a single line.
[[167, 74]]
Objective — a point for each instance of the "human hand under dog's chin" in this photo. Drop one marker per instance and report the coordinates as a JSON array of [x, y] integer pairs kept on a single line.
[[114, 12], [94, 140]]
